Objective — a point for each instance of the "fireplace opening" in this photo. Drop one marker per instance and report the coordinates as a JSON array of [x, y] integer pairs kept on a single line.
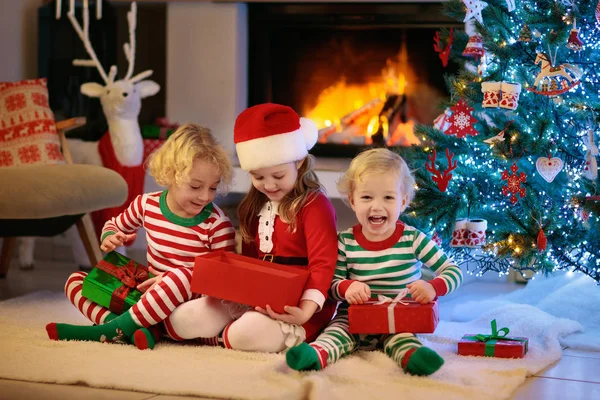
[[365, 73]]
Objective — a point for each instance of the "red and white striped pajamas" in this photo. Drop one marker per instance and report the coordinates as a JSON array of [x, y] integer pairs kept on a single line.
[[173, 244]]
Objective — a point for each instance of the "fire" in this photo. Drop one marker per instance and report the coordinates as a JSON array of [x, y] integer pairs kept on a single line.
[[352, 113]]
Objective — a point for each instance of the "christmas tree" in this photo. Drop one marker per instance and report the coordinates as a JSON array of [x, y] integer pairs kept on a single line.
[[514, 154]]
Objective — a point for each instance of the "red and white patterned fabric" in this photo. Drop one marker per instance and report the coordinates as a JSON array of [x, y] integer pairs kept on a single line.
[[27, 130]]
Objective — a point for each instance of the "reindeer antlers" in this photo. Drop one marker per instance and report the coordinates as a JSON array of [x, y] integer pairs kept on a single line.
[[84, 35], [441, 179], [444, 53], [128, 48]]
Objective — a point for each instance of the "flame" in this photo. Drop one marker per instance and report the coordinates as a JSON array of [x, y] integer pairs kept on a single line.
[[362, 103]]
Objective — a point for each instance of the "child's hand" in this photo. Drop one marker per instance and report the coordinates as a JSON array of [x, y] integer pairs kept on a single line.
[[421, 291], [358, 293], [113, 241], [149, 283], [294, 315]]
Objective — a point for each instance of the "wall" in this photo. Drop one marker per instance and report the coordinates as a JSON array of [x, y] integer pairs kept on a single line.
[[18, 39], [206, 65]]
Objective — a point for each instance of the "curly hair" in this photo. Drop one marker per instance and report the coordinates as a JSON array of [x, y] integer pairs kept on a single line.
[[172, 162]]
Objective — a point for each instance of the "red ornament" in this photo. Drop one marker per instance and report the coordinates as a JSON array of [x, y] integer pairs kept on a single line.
[[461, 120], [541, 240], [598, 12], [441, 179], [474, 47], [514, 183], [437, 239], [574, 43], [445, 52]]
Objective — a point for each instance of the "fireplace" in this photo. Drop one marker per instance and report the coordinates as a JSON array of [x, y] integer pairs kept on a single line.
[[365, 73]]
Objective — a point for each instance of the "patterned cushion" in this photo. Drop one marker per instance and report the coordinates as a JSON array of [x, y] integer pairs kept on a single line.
[[27, 131]]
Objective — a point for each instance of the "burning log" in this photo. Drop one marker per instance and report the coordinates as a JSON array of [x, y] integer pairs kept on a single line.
[[392, 113], [351, 118]]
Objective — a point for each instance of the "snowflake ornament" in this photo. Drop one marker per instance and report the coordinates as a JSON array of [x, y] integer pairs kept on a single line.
[[514, 184], [474, 8], [461, 121]]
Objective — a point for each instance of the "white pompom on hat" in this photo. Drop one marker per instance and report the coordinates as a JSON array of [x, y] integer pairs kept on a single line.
[[272, 134]]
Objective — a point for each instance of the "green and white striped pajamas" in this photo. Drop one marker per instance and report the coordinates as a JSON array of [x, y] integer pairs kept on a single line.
[[387, 267]]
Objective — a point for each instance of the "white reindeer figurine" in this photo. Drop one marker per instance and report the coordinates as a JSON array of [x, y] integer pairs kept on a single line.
[[121, 103]]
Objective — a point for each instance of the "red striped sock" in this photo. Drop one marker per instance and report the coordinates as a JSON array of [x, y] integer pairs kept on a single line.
[[407, 357], [322, 354]]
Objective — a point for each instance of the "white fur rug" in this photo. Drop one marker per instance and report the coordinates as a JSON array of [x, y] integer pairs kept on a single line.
[[573, 296], [27, 354]]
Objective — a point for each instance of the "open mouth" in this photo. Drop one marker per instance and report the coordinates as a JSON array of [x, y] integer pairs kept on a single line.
[[377, 219]]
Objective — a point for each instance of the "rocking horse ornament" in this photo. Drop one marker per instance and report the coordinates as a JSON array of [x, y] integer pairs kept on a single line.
[[554, 80]]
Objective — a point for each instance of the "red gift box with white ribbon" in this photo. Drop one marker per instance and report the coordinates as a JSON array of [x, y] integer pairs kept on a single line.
[[389, 315], [248, 280]]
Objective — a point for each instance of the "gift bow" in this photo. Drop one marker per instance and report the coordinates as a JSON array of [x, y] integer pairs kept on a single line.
[[494, 336], [390, 310], [381, 299], [130, 274], [491, 340]]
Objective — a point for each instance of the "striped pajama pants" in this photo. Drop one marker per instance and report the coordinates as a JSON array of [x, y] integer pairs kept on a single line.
[[338, 342], [155, 306]]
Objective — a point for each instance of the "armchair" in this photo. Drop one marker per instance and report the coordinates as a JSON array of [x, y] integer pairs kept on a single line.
[[45, 200]]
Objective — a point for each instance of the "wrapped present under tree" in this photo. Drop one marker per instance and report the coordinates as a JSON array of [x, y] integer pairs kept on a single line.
[[498, 344], [112, 283]]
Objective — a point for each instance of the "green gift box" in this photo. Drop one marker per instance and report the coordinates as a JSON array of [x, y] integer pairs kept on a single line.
[[112, 283]]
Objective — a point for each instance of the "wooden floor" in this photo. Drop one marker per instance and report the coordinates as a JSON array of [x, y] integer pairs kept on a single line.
[[575, 377]]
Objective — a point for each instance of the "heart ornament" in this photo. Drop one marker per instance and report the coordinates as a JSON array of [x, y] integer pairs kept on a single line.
[[548, 167]]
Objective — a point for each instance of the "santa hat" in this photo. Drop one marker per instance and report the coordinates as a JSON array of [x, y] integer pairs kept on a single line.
[[271, 134]]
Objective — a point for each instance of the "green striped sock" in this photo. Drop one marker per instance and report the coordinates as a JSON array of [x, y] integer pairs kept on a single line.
[[118, 330]]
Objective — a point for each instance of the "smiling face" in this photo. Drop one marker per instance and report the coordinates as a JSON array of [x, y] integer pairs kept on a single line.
[[275, 182], [377, 201], [189, 198]]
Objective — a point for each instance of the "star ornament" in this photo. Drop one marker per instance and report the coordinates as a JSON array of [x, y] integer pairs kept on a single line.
[[461, 121], [474, 8]]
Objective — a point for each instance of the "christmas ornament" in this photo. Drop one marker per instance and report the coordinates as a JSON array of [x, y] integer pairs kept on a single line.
[[476, 232], [438, 177], [437, 239], [474, 8], [491, 94], [591, 166], [525, 34], [514, 184], [474, 47], [574, 43], [510, 95], [548, 167], [549, 73], [461, 120], [541, 240], [442, 122], [510, 5], [598, 12], [500, 136], [459, 234], [495, 139], [445, 52]]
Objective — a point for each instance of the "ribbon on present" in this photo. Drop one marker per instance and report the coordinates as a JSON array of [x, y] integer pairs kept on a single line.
[[165, 126], [130, 274], [491, 340], [393, 303]]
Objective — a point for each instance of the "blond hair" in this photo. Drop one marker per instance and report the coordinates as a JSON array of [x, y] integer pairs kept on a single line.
[[377, 161], [172, 162], [307, 184]]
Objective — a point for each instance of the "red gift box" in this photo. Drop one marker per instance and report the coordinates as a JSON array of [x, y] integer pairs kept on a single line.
[[393, 317], [248, 280], [494, 345]]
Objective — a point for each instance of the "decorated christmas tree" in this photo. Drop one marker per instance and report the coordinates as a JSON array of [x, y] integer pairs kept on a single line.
[[507, 175]]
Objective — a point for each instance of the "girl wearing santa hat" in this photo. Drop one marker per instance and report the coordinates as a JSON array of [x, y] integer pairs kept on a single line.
[[285, 218]]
